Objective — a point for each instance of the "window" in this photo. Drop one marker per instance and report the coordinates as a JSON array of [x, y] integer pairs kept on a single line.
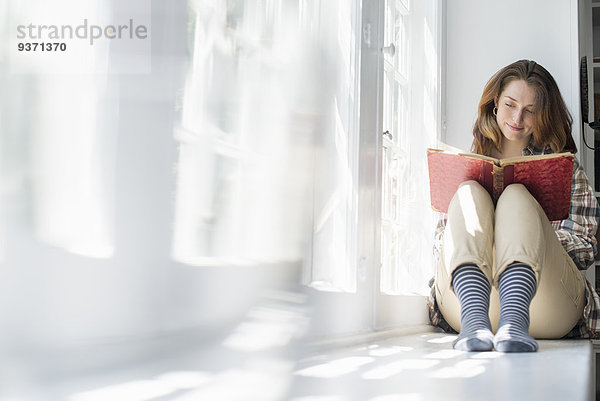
[[246, 128], [400, 118], [282, 155], [410, 113]]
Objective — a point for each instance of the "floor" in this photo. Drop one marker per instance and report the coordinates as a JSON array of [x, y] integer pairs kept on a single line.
[[248, 365], [425, 367]]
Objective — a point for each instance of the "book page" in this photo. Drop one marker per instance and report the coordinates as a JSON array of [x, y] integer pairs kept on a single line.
[[444, 147], [466, 154], [514, 160]]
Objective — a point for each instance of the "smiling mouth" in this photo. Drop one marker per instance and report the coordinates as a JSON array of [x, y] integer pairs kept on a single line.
[[512, 127]]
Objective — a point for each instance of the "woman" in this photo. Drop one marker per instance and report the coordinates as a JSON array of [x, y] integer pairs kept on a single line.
[[505, 268]]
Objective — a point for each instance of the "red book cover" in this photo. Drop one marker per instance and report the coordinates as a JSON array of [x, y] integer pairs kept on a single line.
[[547, 177]]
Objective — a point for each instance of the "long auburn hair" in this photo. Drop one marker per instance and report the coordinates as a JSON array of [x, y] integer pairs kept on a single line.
[[552, 120]]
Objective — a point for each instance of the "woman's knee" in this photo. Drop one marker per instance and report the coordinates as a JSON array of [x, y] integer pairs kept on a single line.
[[472, 189], [515, 197], [472, 184], [471, 201], [514, 191]]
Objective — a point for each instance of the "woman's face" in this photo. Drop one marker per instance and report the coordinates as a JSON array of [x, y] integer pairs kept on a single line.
[[515, 111]]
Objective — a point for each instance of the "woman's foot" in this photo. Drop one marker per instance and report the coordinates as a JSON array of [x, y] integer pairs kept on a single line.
[[516, 288], [479, 341], [510, 339], [473, 291]]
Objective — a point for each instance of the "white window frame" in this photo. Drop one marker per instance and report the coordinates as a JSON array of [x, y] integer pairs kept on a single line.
[[389, 310], [367, 309]]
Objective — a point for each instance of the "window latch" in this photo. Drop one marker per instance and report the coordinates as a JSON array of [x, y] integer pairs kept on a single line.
[[389, 50]]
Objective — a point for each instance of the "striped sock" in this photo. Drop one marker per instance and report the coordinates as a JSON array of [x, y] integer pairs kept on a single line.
[[517, 287], [473, 291]]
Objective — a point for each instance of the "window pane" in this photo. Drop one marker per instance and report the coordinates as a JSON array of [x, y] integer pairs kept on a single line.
[[241, 194], [396, 34], [409, 116]]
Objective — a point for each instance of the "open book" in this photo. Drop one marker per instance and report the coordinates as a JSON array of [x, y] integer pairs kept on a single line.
[[547, 177]]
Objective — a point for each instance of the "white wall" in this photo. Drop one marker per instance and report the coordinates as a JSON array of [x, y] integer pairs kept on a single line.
[[483, 36]]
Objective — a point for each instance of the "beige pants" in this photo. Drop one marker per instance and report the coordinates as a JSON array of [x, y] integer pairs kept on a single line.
[[517, 230]]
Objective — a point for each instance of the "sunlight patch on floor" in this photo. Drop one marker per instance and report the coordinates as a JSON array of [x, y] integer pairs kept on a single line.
[[139, 390], [335, 368], [143, 390], [445, 354], [387, 351], [461, 370], [396, 367], [442, 340]]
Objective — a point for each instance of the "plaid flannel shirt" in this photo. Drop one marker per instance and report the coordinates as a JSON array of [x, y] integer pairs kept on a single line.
[[577, 234]]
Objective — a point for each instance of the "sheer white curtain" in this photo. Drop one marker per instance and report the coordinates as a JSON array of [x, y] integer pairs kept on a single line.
[[268, 137], [336, 29], [245, 136]]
